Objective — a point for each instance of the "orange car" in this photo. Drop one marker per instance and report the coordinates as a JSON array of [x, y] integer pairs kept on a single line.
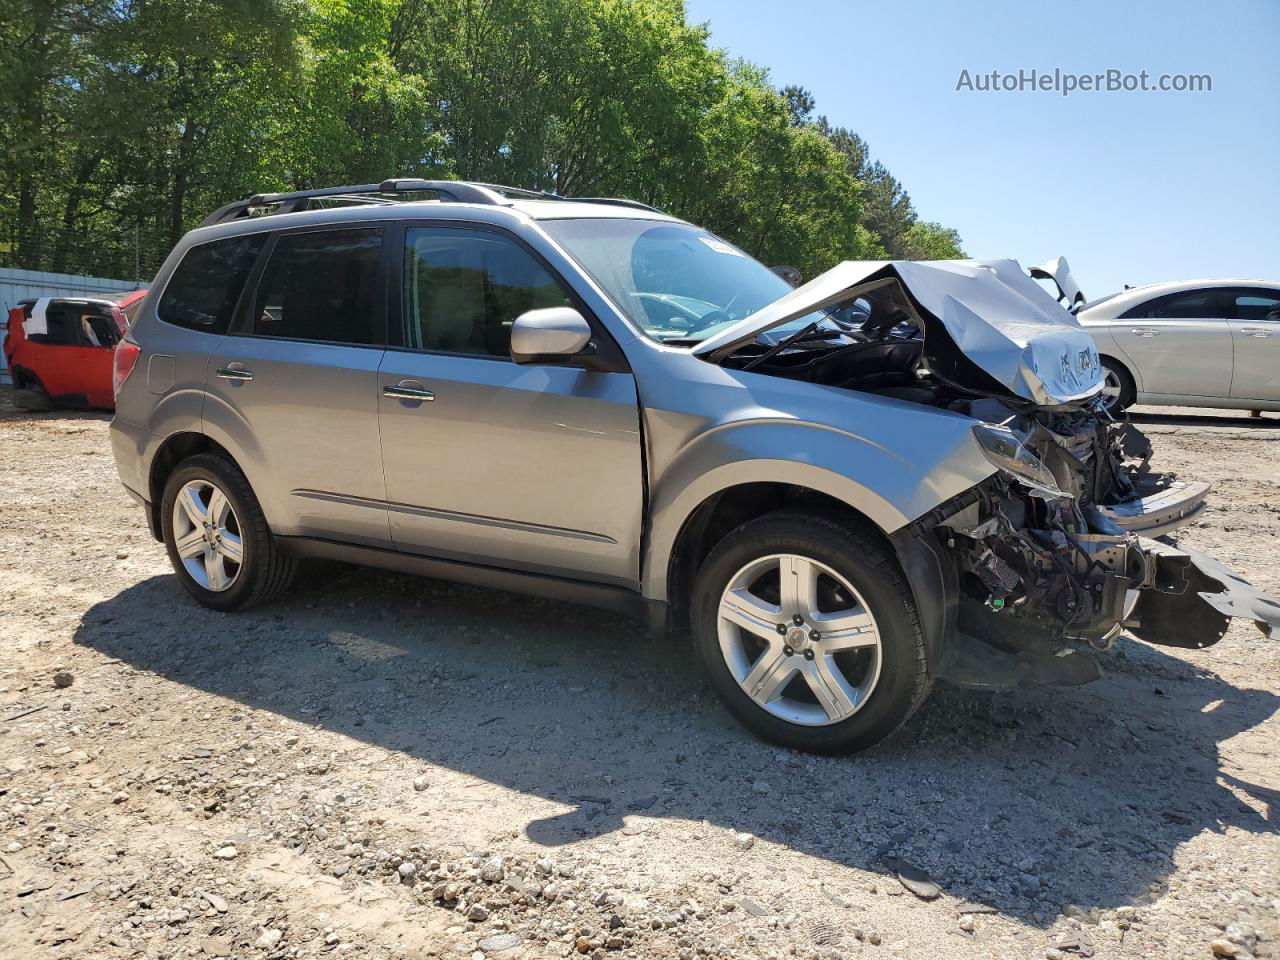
[[59, 350]]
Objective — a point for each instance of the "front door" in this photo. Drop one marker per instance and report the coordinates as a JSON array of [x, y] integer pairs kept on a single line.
[[1255, 331], [533, 467], [1180, 343], [293, 388]]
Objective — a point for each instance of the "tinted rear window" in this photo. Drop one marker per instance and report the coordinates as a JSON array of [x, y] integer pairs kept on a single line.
[[203, 291]]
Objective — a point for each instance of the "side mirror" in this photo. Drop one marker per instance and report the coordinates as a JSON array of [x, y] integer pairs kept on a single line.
[[550, 335], [789, 274]]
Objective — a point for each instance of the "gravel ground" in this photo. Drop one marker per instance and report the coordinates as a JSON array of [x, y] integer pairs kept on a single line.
[[389, 767]]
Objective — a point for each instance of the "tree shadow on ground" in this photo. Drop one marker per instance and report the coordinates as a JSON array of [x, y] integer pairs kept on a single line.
[[1024, 801]]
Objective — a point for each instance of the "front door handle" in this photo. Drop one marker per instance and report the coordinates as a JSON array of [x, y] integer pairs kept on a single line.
[[1145, 332], [406, 391], [1255, 332], [235, 373]]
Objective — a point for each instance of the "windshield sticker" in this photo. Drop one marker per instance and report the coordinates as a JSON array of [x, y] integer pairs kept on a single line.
[[719, 246]]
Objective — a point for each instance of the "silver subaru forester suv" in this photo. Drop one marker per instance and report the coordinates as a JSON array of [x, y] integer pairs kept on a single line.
[[894, 474]]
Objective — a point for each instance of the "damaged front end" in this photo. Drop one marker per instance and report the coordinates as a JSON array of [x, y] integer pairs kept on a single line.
[[1056, 553]]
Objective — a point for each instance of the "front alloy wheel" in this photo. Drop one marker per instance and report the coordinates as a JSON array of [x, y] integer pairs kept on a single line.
[[799, 640], [808, 631]]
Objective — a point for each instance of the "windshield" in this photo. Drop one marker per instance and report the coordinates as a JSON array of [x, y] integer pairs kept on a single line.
[[675, 281]]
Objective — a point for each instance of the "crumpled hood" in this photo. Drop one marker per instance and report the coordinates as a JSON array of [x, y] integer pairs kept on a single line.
[[987, 325]]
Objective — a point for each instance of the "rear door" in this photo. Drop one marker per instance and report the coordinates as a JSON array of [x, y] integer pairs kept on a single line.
[[72, 356], [294, 384], [1180, 343], [536, 467], [1254, 314]]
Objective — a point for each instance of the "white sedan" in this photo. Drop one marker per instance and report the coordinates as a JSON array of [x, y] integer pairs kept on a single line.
[[1192, 343]]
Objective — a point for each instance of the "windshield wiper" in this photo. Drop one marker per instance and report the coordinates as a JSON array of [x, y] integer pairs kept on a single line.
[[801, 335]]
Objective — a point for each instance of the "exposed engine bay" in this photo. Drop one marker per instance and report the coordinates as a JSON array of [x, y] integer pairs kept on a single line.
[[1057, 549]]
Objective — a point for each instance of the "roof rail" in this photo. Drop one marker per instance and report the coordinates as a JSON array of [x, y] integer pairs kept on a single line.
[[455, 191], [613, 201]]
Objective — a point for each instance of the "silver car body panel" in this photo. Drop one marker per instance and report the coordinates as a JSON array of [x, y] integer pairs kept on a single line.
[[997, 317], [1059, 272], [589, 475], [1207, 361], [709, 429]]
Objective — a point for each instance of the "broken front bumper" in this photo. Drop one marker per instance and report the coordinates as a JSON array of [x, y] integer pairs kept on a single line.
[[1189, 598], [1158, 513]]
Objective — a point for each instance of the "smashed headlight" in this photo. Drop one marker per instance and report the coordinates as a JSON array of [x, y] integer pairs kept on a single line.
[[1006, 450]]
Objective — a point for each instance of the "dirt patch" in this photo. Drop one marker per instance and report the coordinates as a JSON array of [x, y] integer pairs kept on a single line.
[[390, 767]]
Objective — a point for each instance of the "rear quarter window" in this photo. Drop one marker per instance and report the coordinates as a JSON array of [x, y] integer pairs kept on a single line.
[[202, 293]]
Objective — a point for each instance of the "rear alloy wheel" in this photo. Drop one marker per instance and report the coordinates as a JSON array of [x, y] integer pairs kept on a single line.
[[808, 631], [217, 537], [206, 535], [1117, 387]]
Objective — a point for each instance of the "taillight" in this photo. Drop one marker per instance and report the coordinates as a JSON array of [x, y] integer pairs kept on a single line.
[[122, 322], [126, 357]]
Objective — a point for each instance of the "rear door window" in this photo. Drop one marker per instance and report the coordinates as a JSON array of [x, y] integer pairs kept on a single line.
[[322, 286], [1254, 305], [1189, 305], [202, 293], [71, 324]]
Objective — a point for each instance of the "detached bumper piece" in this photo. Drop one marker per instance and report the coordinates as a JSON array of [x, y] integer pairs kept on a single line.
[[1158, 513], [1190, 598]]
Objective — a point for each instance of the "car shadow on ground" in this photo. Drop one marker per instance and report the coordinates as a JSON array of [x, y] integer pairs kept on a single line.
[[1024, 801]]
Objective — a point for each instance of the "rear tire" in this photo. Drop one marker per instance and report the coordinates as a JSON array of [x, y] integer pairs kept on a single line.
[[834, 666], [236, 528], [1118, 388], [32, 398]]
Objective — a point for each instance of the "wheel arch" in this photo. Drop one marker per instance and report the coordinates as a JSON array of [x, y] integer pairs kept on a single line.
[[24, 377], [717, 514], [176, 448]]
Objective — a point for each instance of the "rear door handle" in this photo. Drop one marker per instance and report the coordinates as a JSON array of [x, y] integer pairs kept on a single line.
[[405, 391], [1255, 331], [1145, 332], [234, 373]]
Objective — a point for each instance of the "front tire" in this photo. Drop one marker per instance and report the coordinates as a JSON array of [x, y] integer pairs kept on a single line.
[[217, 536], [808, 632]]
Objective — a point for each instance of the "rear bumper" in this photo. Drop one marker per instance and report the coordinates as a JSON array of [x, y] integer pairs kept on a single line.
[[130, 444], [1158, 513]]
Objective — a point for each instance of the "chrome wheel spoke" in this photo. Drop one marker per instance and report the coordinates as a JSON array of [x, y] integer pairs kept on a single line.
[[798, 581], [215, 570], [846, 630], [191, 504], [190, 544], [829, 687], [746, 610], [230, 547], [219, 507], [769, 677]]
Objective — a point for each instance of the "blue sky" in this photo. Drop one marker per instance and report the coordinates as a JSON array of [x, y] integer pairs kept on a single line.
[[1130, 187]]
